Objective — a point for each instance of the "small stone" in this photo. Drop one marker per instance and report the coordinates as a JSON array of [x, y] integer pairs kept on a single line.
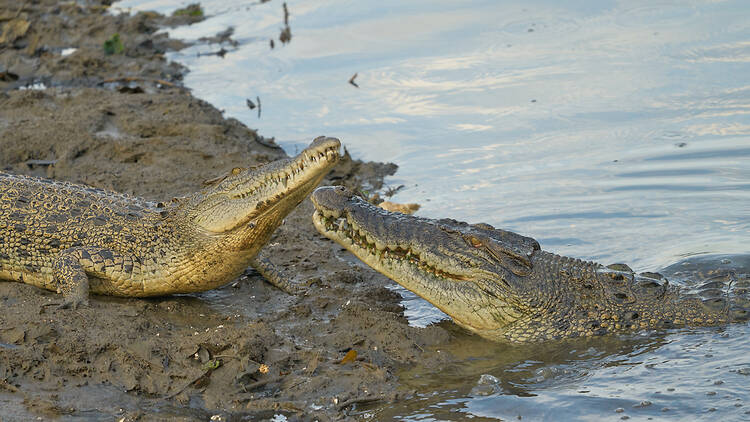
[[670, 389], [487, 379], [665, 409], [711, 393], [718, 382], [625, 417], [483, 390], [744, 371], [644, 403], [619, 410]]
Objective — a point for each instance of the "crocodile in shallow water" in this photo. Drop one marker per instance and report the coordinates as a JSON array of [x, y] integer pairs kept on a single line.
[[502, 286], [76, 239]]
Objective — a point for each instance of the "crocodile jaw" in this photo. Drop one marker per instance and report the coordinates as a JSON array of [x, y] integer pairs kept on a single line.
[[465, 292], [266, 194]]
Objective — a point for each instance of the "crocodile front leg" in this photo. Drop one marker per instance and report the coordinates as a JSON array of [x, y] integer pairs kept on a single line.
[[72, 268], [273, 274]]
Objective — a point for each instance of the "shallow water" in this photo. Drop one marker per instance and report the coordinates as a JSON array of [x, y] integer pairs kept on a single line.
[[612, 131]]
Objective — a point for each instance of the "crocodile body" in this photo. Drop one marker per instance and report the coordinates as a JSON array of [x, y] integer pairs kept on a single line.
[[502, 286], [76, 239]]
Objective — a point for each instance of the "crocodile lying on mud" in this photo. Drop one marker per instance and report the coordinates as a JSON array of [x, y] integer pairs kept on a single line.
[[502, 286], [77, 239]]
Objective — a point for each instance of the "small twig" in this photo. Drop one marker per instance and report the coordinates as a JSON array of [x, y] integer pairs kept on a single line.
[[141, 79], [299, 383], [230, 357], [351, 80], [40, 162], [173, 395], [260, 383], [20, 8], [359, 400]]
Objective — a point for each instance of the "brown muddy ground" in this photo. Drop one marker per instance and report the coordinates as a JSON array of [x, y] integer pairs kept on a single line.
[[246, 351]]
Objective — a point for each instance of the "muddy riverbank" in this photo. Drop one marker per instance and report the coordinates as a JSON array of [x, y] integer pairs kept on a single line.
[[246, 351]]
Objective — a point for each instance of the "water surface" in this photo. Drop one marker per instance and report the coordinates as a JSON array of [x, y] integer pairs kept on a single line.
[[612, 131]]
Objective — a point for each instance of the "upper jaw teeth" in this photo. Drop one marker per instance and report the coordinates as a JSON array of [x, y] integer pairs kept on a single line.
[[326, 155], [331, 213], [287, 175], [351, 234]]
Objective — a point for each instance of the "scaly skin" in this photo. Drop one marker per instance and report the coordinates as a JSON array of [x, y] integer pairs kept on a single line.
[[77, 239], [501, 285]]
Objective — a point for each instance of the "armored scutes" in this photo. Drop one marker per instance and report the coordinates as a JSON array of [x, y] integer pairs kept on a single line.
[[502, 286], [77, 239]]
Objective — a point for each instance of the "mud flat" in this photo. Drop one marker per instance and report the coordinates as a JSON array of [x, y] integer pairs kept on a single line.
[[246, 351]]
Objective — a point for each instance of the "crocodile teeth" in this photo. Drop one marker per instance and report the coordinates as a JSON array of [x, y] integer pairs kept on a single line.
[[334, 214], [354, 238]]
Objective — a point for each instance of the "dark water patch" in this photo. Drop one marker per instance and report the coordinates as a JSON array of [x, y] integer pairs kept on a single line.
[[585, 215], [666, 173], [683, 188], [555, 241], [703, 155]]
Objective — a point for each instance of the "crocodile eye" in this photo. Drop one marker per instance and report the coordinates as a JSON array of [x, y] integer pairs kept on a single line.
[[475, 242]]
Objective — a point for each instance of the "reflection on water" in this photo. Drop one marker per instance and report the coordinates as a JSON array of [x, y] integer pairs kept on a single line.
[[649, 375], [612, 131]]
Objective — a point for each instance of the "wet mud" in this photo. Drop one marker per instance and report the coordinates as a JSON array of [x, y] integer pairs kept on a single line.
[[118, 118]]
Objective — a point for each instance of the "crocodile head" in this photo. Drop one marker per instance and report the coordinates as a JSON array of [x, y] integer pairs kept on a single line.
[[501, 286], [260, 198], [470, 272]]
